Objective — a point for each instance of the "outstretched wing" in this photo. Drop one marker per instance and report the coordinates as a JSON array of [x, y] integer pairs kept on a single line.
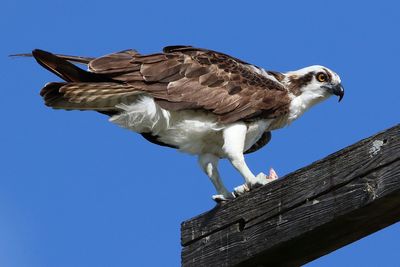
[[181, 77]]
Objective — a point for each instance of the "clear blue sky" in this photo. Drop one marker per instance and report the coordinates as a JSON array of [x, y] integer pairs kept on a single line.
[[78, 191]]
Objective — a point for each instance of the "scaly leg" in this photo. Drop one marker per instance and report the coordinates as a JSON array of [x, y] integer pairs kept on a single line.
[[209, 164]]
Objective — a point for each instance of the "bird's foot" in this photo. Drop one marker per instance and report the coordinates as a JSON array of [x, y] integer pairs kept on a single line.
[[223, 197], [241, 189], [261, 179]]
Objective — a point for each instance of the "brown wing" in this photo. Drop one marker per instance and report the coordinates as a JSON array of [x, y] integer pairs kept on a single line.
[[263, 141], [180, 78], [199, 79]]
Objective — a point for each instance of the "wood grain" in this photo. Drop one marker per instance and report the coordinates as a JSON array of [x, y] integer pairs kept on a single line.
[[308, 213]]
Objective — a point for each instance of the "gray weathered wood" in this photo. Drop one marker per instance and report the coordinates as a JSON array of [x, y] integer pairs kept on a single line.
[[305, 215]]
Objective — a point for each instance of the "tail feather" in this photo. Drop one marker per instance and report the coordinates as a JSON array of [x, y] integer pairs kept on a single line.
[[64, 69], [88, 96], [82, 90], [77, 59]]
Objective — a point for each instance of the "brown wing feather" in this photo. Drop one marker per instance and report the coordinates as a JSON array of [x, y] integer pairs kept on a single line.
[[182, 77], [204, 79], [263, 141], [115, 64]]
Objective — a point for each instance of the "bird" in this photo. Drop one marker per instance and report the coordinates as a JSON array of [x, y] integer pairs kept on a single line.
[[198, 101]]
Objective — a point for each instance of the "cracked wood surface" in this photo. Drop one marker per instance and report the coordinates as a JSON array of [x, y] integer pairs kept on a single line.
[[304, 215]]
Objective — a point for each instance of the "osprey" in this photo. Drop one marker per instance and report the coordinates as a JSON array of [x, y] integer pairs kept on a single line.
[[198, 101]]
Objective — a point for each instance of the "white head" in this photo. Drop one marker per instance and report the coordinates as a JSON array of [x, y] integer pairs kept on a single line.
[[315, 81], [310, 86]]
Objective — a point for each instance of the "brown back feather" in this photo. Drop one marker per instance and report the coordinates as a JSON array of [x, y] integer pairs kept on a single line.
[[182, 77]]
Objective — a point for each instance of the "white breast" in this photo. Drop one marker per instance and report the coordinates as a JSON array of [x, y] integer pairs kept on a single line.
[[194, 132]]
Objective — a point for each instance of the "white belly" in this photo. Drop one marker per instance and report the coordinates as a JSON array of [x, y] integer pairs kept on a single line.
[[194, 132]]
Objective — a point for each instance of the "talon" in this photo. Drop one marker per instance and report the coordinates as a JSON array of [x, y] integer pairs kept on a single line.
[[223, 198], [240, 190], [261, 179]]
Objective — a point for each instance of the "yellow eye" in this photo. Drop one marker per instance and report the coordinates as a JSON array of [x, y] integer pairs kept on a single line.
[[321, 77]]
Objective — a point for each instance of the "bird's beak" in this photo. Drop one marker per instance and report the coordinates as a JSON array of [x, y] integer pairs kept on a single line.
[[335, 89]]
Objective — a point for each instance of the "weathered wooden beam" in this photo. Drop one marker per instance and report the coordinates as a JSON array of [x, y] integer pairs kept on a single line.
[[306, 214]]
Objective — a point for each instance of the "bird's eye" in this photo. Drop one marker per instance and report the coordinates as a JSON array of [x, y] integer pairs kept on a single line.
[[321, 77]]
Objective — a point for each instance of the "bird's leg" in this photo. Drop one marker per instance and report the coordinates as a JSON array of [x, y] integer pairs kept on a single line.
[[241, 189], [209, 164], [234, 140], [272, 176]]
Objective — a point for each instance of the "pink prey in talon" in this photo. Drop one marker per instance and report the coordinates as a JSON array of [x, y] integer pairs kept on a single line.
[[272, 175], [261, 179]]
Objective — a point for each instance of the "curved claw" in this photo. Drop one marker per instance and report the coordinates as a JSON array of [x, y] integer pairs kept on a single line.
[[240, 190], [261, 179], [223, 198]]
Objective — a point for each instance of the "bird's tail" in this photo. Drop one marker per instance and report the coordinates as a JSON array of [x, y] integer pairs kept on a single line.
[[60, 66], [82, 90], [99, 96]]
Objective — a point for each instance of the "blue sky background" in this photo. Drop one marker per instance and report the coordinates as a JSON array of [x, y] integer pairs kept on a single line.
[[77, 191]]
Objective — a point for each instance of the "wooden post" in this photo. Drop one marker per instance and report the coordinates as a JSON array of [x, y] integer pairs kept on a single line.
[[306, 214]]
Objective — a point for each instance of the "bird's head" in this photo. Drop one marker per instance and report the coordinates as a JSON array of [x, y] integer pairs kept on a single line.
[[316, 82]]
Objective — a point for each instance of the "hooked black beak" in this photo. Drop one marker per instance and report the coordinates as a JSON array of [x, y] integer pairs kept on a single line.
[[335, 89]]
